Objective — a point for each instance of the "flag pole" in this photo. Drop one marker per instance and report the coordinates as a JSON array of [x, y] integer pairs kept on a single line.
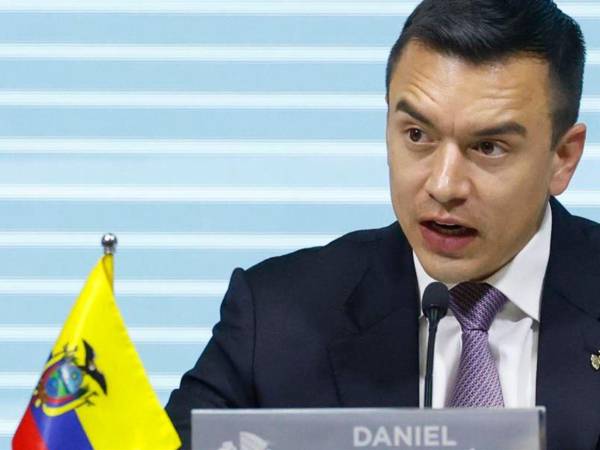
[[109, 243]]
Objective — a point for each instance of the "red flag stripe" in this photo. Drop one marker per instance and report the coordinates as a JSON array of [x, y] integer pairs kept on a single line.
[[27, 436]]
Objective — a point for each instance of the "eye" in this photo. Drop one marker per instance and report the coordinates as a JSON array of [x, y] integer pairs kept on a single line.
[[416, 135], [489, 148]]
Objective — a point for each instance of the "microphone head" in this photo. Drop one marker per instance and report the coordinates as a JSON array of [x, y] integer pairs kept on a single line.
[[435, 297]]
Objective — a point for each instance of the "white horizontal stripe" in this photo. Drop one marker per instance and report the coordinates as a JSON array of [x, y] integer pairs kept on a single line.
[[590, 104], [591, 152], [368, 195], [285, 54], [18, 380], [123, 288], [338, 8], [22, 145], [27, 380], [586, 199], [193, 100], [588, 10], [214, 53], [204, 241], [8, 427], [593, 56], [377, 8], [157, 335], [211, 100]]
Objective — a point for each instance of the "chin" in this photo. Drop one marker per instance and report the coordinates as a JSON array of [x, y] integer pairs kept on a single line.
[[451, 272], [448, 278]]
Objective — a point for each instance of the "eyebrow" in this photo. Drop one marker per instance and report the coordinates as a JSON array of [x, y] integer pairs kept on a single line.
[[509, 127], [406, 107], [503, 128]]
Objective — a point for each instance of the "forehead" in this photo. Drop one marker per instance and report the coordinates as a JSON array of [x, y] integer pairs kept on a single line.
[[518, 85]]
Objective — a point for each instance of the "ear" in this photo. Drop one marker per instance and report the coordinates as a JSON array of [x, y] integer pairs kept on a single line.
[[567, 154]]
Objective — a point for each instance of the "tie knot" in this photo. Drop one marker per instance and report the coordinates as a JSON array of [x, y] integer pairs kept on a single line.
[[475, 305]]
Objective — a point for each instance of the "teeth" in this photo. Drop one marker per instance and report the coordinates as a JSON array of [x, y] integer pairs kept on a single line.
[[449, 225], [453, 230]]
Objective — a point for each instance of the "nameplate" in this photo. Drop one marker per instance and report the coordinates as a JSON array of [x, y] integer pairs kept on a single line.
[[368, 428]]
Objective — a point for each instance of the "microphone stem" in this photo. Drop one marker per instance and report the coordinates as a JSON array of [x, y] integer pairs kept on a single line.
[[433, 324]]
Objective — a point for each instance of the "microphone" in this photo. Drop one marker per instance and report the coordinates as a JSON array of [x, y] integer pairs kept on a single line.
[[435, 305]]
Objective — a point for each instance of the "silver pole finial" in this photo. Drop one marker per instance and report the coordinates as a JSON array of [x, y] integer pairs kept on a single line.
[[109, 242]]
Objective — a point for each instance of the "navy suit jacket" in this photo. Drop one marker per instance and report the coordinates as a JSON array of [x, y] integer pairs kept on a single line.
[[337, 326]]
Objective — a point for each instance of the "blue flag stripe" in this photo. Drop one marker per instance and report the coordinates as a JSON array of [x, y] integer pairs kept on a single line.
[[62, 432]]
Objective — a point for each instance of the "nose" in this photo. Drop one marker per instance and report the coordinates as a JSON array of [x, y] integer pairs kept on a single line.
[[448, 181]]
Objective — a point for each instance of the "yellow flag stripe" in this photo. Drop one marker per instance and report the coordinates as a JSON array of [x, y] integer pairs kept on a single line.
[[128, 415]]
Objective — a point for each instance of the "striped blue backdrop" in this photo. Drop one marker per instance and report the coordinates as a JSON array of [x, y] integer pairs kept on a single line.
[[206, 135]]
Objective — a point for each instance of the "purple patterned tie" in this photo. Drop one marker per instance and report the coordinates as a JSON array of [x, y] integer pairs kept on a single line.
[[478, 384]]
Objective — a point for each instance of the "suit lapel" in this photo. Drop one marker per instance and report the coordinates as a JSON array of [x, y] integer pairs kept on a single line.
[[377, 364], [569, 333]]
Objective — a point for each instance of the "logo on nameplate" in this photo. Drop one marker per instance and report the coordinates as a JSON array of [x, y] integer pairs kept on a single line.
[[248, 441]]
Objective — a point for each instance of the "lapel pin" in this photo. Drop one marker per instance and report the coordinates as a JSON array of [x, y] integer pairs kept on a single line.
[[596, 361]]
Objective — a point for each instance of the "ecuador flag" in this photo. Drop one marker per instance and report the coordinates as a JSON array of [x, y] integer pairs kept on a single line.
[[93, 392]]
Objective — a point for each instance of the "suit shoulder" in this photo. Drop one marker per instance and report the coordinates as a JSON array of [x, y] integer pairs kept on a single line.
[[349, 245], [339, 263], [590, 229]]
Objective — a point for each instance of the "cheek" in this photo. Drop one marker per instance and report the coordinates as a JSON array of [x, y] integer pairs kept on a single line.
[[509, 208], [407, 189], [518, 191], [405, 167], [404, 178]]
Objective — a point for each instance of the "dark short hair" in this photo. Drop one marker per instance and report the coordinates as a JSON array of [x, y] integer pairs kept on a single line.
[[481, 31]]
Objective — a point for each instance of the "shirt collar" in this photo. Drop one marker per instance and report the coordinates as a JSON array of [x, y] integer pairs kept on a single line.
[[522, 279]]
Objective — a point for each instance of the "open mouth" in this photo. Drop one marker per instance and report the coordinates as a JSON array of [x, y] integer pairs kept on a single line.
[[451, 230]]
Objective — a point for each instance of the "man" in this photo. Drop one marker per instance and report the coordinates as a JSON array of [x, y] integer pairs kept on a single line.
[[483, 98]]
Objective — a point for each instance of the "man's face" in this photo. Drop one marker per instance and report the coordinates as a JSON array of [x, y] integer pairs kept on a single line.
[[470, 160]]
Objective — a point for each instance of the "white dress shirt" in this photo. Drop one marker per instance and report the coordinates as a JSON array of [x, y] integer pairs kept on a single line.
[[513, 335]]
